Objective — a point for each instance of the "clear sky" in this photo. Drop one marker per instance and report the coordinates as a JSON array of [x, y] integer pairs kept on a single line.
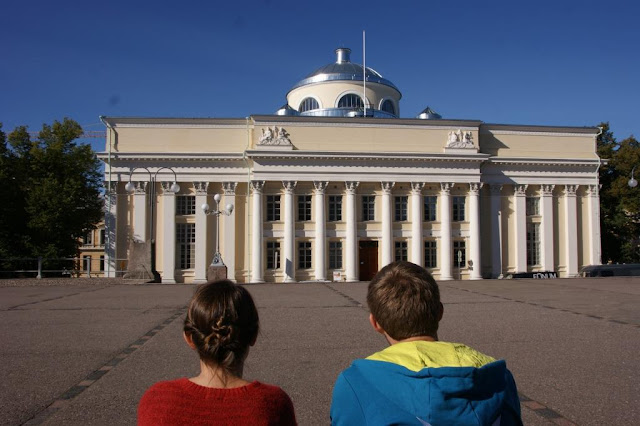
[[573, 63]]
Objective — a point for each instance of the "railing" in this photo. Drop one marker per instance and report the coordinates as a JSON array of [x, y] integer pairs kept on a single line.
[[69, 267]]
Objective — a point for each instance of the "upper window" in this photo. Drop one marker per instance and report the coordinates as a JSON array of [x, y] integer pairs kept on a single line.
[[401, 208], [273, 208], [533, 206], [350, 101], [308, 104], [304, 207], [368, 207], [185, 205], [430, 204], [458, 209], [335, 208], [387, 106]]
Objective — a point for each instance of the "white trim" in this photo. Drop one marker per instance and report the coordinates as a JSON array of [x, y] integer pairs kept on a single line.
[[530, 133], [180, 126], [425, 126]]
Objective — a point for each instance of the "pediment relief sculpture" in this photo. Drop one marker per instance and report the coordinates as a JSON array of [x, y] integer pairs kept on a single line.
[[274, 136], [460, 139]]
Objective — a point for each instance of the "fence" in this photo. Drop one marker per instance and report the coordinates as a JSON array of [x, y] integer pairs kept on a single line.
[[68, 267]]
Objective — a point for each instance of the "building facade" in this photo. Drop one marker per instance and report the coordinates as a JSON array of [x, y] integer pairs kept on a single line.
[[335, 186]]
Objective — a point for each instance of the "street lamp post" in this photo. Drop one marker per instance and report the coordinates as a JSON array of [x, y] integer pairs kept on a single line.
[[217, 265], [175, 188], [632, 182]]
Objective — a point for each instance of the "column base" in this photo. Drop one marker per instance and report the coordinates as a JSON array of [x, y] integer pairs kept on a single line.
[[168, 281], [199, 281]]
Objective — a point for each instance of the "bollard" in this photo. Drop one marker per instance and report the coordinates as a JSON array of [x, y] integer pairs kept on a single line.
[[39, 276]]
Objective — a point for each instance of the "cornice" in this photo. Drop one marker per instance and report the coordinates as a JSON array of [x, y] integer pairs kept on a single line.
[[544, 161], [334, 155], [183, 156]]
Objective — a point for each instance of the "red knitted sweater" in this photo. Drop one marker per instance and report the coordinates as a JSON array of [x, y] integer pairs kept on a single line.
[[182, 402]]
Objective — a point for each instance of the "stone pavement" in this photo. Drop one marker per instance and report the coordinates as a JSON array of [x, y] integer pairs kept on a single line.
[[84, 352]]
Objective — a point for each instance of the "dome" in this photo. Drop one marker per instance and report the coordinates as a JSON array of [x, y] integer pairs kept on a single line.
[[343, 70], [429, 114], [286, 110]]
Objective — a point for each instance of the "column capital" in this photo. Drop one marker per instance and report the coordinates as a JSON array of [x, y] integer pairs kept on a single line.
[[474, 187], [495, 189], [289, 186], [351, 187], [593, 190], [140, 187], [570, 190], [167, 190], [387, 187], [520, 190], [320, 186], [201, 187], [547, 190], [257, 186], [229, 188], [416, 187], [445, 187]]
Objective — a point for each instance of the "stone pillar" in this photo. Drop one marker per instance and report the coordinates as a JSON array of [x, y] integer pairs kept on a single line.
[[446, 244], [571, 229], [289, 231], [351, 262], [169, 234], [140, 221], [496, 230], [387, 224], [229, 230], [202, 233], [474, 229], [520, 234], [321, 233], [546, 231], [257, 273], [110, 229], [593, 202], [417, 246]]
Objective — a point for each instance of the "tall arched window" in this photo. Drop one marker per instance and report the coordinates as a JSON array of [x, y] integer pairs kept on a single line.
[[350, 101], [308, 104], [387, 106]]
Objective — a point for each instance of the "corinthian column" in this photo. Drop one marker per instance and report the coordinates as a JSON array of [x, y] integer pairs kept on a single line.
[[521, 227], [496, 230], [352, 235], [416, 223], [387, 226], [202, 233], [446, 246], [571, 229], [229, 226], [593, 202], [140, 212], [257, 274], [289, 232], [546, 233], [169, 234], [474, 228], [321, 240]]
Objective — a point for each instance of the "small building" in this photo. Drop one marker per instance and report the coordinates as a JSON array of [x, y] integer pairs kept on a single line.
[[91, 257]]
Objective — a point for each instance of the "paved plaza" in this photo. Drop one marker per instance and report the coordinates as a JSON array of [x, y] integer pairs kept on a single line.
[[85, 351]]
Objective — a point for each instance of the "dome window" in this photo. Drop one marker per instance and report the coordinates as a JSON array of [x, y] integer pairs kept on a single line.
[[350, 101], [387, 106], [308, 104]]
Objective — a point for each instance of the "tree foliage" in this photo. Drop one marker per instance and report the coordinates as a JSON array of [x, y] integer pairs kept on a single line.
[[619, 204], [50, 189]]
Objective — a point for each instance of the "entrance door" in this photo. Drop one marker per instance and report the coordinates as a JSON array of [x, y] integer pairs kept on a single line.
[[368, 260]]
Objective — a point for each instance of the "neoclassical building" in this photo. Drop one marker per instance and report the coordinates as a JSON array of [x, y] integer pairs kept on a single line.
[[336, 185]]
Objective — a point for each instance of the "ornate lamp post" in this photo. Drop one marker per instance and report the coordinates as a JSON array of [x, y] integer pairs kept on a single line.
[[632, 182], [217, 269]]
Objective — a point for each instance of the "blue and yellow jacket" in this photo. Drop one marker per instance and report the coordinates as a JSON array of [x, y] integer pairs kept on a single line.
[[426, 383]]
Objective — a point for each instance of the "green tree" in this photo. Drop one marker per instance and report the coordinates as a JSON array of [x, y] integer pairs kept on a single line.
[[54, 187], [619, 204]]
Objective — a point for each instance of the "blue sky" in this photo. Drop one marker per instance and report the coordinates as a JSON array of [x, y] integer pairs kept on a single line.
[[546, 63]]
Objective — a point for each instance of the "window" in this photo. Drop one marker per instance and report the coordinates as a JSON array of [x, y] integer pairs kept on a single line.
[[308, 104], [186, 245], [387, 106], [458, 209], [273, 255], [368, 207], [401, 208], [185, 204], [87, 240], [86, 263], [533, 244], [102, 235], [304, 207], [273, 208], [533, 206], [430, 254], [304, 255], [459, 254], [335, 208], [335, 255], [102, 263], [350, 101], [430, 205], [401, 250]]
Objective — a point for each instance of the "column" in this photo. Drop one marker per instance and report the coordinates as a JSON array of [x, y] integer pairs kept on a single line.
[[168, 234], [417, 246], [289, 231], [202, 233], [593, 203], [474, 229], [351, 260], [546, 231], [387, 224], [321, 233], [520, 234], [257, 273], [571, 230], [110, 228], [140, 212], [496, 230], [446, 245], [229, 230]]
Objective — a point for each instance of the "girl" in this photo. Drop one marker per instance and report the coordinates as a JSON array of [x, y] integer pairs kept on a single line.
[[221, 324]]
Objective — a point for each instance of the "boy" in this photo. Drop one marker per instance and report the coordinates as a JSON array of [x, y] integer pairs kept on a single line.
[[419, 380]]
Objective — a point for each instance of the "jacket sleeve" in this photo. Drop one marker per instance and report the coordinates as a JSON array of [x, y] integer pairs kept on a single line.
[[511, 415], [345, 406]]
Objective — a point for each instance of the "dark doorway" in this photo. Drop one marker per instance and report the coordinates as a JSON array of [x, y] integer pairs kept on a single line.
[[368, 260]]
